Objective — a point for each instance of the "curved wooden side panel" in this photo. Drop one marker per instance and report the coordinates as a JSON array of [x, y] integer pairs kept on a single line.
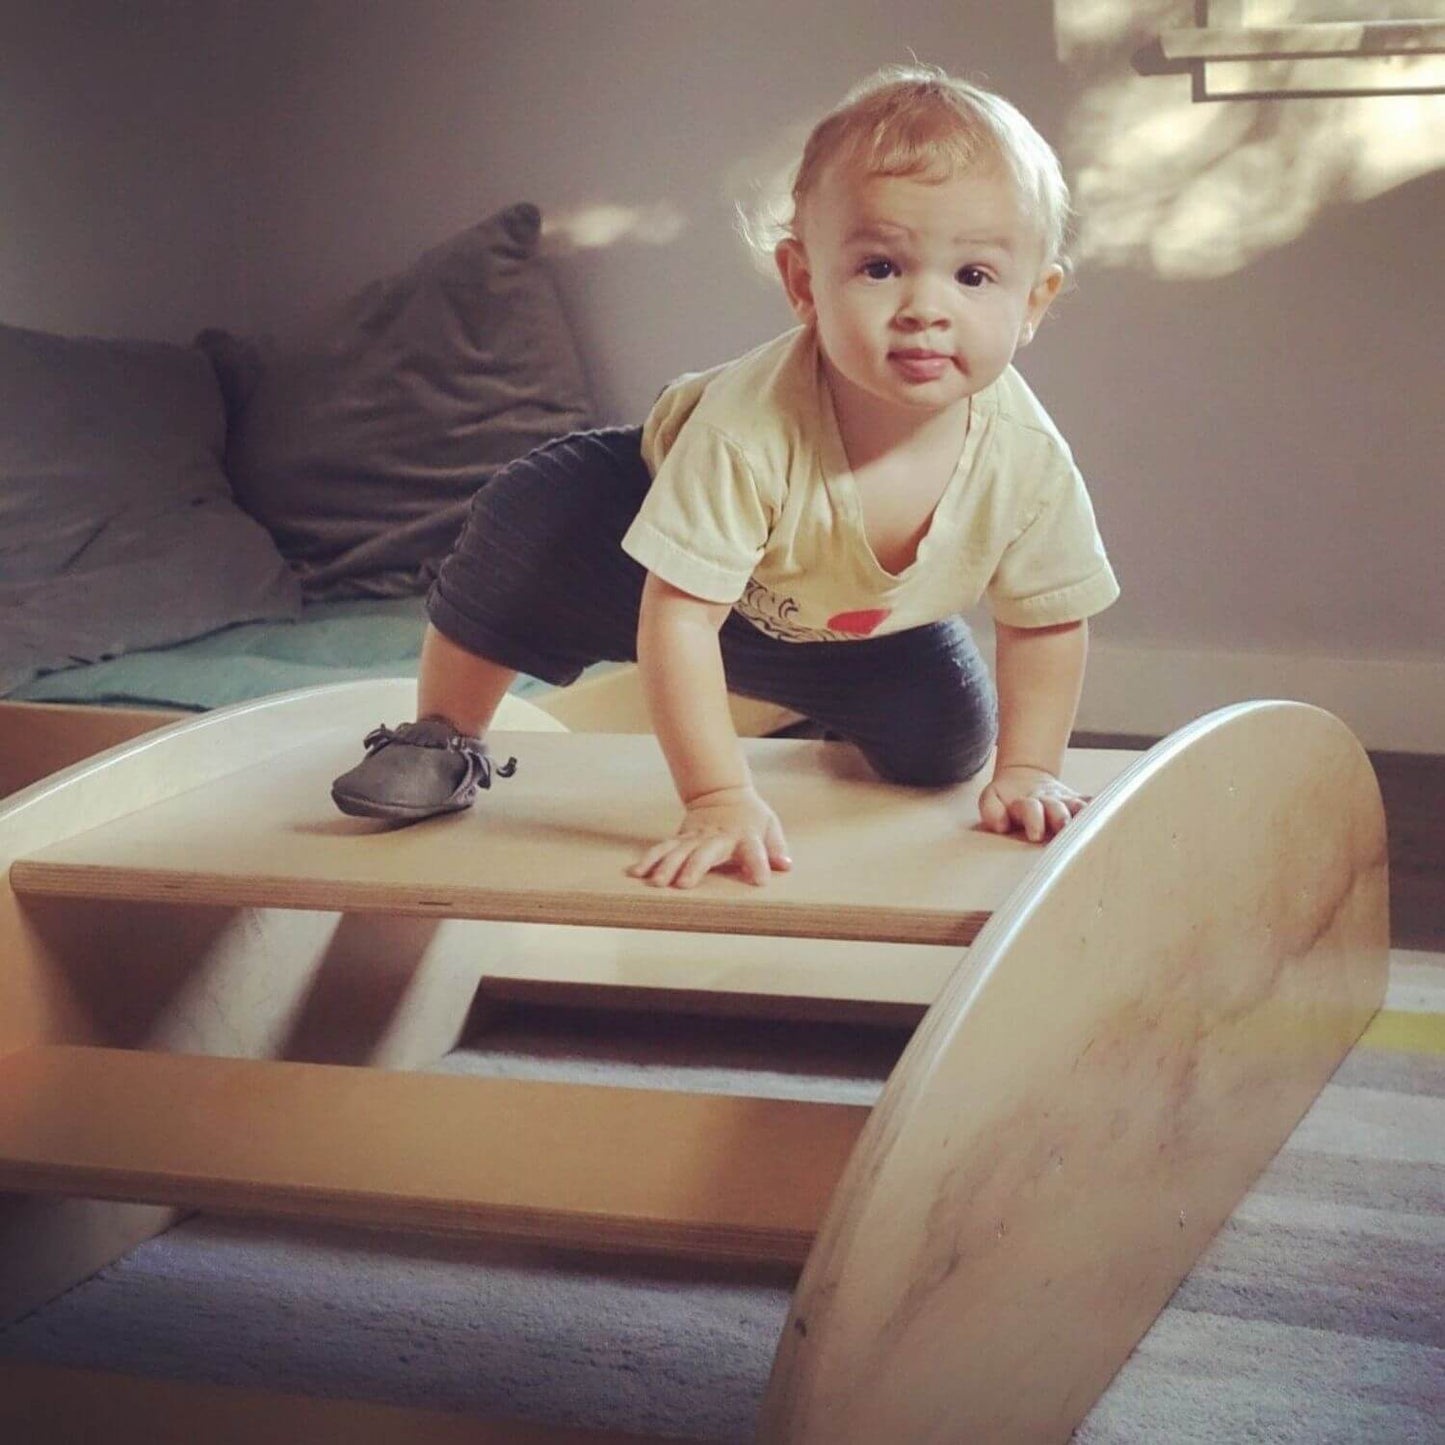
[[1130, 1041], [39, 998], [204, 746], [249, 982], [40, 738]]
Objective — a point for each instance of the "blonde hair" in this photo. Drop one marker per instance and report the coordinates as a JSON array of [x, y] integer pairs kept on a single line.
[[918, 121]]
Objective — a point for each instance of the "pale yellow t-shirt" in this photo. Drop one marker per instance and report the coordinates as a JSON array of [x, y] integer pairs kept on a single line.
[[753, 503]]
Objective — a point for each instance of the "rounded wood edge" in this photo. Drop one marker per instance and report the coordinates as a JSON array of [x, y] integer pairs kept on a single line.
[[832, 1366], [199, 748]]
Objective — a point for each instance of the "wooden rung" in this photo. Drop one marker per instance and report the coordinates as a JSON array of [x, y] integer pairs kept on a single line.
[[873, 861], [808, 979], [50, 1405], [574, 1165], [775, 1007]]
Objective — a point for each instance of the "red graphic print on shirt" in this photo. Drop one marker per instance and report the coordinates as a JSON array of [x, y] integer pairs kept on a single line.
[[858, 624], [777, 615]]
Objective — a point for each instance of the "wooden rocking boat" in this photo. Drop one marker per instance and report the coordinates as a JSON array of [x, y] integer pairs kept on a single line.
[[1118, 1032]]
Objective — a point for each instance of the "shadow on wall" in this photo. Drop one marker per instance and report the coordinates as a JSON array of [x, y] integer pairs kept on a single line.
[[1188, 189]]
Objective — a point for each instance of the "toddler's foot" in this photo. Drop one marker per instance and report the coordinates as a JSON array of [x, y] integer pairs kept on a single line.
[[416, 771]]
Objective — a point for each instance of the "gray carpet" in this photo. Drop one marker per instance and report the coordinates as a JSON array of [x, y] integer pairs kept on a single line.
[[1317, 1316]]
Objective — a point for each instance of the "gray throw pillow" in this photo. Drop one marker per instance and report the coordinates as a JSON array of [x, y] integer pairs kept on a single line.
[[117, 525], [359, 441]]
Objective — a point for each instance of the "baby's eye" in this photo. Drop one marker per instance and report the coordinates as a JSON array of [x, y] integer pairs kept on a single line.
[[972, 276], [879, 269]]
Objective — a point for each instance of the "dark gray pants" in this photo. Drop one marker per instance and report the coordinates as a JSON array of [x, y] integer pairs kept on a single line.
[[538, 582]]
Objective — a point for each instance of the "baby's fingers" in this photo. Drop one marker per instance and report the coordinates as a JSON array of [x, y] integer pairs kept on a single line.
[[779, 860], [748, 852], [993, 812], [662, 866], [753, 859], [652, 858], [707, 853], [1031, 814], [1057, 813], [684, 861]]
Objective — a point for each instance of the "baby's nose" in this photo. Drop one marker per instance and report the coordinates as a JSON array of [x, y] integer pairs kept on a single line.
[[923, 305]]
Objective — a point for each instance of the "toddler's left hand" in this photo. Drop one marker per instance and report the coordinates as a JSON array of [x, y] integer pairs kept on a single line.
[[1028, 799]]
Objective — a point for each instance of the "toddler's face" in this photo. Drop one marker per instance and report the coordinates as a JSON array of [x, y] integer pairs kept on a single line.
[[921, 291]]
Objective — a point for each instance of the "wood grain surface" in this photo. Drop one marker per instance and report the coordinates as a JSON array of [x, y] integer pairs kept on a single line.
[[608, 1169], [1126, 1047], [873, 860]]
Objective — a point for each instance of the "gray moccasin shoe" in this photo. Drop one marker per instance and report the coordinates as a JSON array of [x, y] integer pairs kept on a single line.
[[416, 771]]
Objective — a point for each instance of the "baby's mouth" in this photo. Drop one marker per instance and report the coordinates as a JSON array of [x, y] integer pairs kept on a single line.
[[921, 365]]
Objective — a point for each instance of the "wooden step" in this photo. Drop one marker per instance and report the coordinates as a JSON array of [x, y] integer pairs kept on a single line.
[[874, 861], [608, 1169], [54, 1405]]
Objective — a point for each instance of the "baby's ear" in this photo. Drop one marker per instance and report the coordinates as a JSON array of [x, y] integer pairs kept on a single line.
[[1050, 281], [1049, 284], [797, 278]]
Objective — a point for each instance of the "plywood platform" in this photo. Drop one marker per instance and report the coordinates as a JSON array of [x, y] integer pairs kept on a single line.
[[873, 861]]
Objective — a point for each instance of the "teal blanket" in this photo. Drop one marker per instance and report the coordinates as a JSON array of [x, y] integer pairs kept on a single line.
[[330, 642]]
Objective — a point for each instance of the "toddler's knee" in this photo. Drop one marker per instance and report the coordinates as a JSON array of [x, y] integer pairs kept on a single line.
[[934, 723], [936, 752], [926, 767]]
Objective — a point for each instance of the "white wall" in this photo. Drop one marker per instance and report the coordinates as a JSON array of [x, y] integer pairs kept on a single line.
[[1264, 445], [118, 129]]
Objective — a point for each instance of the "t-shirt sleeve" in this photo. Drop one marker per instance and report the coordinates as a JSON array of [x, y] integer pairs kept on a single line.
[[705, 521], [1055, 570]]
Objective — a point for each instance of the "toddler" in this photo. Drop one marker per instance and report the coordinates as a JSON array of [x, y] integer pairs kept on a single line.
[[807, 523]]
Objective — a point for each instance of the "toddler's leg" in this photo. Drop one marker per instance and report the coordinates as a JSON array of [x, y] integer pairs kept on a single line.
[[536, 583], [436, 764], [458, 686], [919, 704]]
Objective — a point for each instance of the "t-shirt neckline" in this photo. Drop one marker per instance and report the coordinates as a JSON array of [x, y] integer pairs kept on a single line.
[[843, 488]]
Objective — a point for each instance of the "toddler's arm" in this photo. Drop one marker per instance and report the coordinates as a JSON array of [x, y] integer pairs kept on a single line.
[[1040, 673], [725, 820]]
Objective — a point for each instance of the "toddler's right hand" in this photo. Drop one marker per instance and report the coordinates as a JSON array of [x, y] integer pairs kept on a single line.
[[730, 826]]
